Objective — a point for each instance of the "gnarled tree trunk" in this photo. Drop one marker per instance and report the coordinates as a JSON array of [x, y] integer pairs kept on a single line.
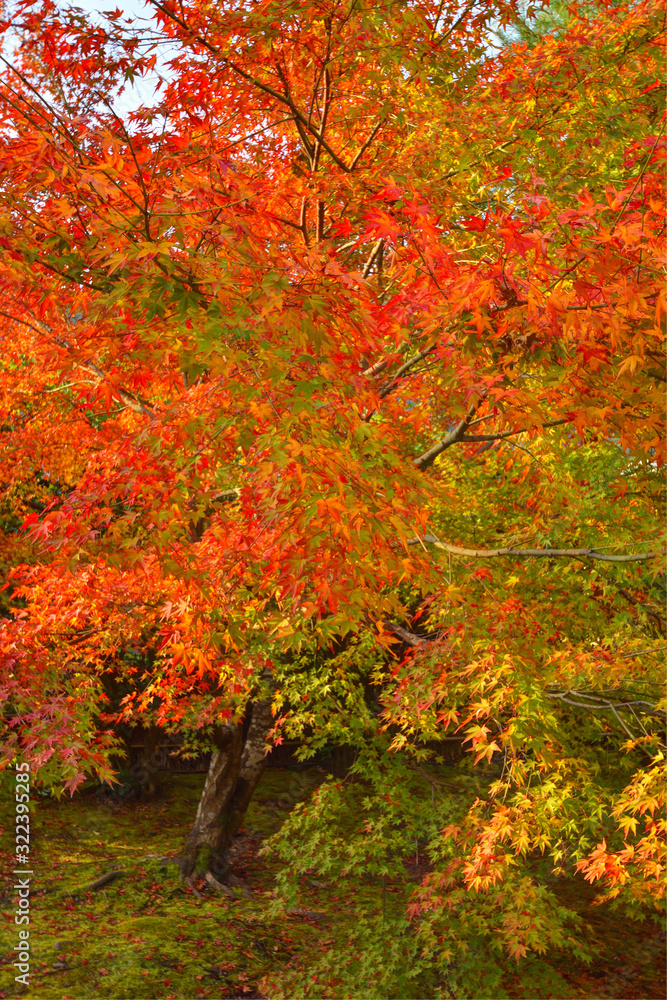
[[233, 774]]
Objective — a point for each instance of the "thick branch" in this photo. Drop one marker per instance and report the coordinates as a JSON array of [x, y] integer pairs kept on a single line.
[[598, 703], [404, 368], [371, 260], [99, 883], [458, 550], [323, 122], [378, 367], [404, 634], [303, 220], [642, 652], [428, 458]]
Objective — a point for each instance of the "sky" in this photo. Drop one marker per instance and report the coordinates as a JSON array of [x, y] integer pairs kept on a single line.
[[132, 8], [141, 91]]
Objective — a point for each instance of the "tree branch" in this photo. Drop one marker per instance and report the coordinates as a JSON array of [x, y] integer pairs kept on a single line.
[[458, 550], [386, 389], [428, 458], [128, 398], [371, 260], [299, 118], [505, 434], [404, 634], [360, 152]]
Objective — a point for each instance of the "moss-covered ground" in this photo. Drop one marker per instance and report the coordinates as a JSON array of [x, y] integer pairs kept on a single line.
[[146, 935]]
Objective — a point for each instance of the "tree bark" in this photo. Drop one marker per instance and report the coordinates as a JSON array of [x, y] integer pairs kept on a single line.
[[253, 762], [232, 778], [205, 848], [149, 762]]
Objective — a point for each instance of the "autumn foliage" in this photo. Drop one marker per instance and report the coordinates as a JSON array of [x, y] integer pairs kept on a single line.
[[335, 375]]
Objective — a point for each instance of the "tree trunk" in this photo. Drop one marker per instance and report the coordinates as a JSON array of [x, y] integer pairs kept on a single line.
[[253, 762], [232, 777], [150, 762]]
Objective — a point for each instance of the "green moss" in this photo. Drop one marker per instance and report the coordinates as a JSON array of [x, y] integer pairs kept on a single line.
[[205, 855], [146, 935]]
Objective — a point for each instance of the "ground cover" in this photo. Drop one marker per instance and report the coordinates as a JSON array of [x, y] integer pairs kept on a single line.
[[146, 935]]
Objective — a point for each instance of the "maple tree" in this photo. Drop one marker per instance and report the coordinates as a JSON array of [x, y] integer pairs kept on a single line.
[[333, 385]]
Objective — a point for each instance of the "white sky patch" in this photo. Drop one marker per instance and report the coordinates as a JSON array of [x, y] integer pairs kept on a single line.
[[143, 90]]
